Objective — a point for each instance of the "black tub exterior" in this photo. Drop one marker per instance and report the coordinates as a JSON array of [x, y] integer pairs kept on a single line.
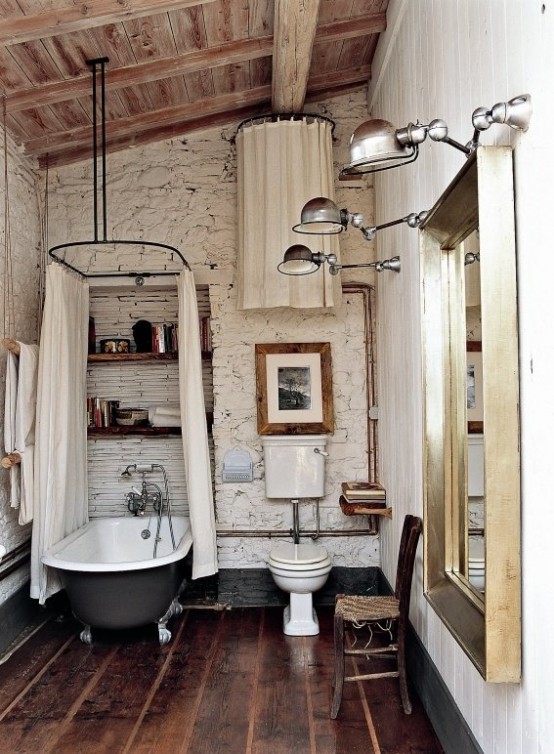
[[123, 599]]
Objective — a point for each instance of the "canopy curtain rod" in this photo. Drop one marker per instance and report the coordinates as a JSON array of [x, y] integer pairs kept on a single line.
[[100, 195], [277, 117]]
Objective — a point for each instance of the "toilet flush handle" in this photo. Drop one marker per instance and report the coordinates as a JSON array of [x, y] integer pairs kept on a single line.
[[321, 452]]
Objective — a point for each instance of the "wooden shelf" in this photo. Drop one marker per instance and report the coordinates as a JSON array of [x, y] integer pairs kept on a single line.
[[118, 430], [145, 430], [107, 358]]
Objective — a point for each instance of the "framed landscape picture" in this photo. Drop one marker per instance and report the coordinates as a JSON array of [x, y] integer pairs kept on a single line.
[[294, 388]]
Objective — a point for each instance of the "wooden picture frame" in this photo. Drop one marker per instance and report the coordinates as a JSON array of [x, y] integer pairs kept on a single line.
[[474, 372], [294, 388]]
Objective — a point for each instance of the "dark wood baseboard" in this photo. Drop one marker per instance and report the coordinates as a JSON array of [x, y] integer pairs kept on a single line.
[[448, 723], [452, 730], [254, 587]]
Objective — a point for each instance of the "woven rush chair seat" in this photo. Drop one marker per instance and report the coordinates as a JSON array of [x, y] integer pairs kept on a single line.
[[361, 609], [388, 614]]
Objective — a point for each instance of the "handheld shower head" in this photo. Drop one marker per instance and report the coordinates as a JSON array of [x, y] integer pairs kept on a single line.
[[139, 467]]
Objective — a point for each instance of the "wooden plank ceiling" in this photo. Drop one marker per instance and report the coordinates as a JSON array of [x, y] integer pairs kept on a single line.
[[175, 66]]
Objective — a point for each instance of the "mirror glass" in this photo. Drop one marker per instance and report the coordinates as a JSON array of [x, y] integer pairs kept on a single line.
[[473, 544], [471, 381]]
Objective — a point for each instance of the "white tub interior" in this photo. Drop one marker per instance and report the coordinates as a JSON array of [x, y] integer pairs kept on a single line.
[[116, 544]]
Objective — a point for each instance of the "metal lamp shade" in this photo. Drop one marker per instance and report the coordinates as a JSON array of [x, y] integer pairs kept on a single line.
[[298, 260], [374, 146], [320, 216]]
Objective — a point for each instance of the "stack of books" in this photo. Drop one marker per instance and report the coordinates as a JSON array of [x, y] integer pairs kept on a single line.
[[362, 497]]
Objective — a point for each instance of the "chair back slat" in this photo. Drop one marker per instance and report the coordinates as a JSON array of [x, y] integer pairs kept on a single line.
[[411, 531]]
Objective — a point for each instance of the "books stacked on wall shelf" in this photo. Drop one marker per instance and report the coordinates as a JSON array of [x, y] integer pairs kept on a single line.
[[362, 497], [205, 335], [165, 338], [368, 491], [101, 412]]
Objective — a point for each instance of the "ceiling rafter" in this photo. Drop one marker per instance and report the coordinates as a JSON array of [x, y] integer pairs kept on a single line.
[[226, 110], [186, 63], [81, 16]]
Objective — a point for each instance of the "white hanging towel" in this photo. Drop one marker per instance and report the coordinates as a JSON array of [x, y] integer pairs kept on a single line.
[[10, 405], [25, 426], [19, 429]]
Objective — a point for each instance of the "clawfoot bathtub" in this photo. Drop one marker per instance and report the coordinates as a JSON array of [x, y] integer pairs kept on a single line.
[[112, 578]]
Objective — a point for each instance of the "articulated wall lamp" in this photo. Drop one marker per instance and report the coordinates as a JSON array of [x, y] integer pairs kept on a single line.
[[300, 260], [376, 145], [321, 216]]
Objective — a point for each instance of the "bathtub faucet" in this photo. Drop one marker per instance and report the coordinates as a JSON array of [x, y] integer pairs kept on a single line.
[[137, 500]]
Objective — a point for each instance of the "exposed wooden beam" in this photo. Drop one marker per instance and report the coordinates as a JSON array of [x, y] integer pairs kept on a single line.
[[351, 28], [227, 110], [155, 133], [143, 73], [83, 15], [116, 128], [294, 34]]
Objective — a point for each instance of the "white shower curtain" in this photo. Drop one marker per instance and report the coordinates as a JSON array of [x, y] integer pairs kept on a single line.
[[60, 499], [281, 166], [194, 432]]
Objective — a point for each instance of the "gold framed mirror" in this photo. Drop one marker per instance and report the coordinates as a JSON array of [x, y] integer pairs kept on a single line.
[[473, 222]]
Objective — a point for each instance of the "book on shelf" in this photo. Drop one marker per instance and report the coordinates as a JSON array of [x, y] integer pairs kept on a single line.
[[205, 334], [363, 491], [101, 412], [165, 338]]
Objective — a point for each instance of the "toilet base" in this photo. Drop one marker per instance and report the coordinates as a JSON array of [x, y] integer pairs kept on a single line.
[[299, 617]]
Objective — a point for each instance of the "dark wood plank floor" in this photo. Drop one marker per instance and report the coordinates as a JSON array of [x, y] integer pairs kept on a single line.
[[230, 681]]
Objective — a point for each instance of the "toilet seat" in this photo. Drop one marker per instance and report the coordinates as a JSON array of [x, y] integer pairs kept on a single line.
[[304, 557]]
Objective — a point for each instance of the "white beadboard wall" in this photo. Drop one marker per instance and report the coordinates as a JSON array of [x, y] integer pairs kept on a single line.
[[24, 243], [138, 384], [442, 59]]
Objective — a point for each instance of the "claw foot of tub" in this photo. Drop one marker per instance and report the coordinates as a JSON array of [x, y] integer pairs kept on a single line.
[[164, 635], [86, 635], [177, 607]]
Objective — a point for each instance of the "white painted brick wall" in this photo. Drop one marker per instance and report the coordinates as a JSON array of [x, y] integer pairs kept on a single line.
[[183, 193], [24, 234]]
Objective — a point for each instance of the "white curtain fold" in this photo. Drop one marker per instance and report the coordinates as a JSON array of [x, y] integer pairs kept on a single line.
[[195, 433], [60, 478], [281, 166]]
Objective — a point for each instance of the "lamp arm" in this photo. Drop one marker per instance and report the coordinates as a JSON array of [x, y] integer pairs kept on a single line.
[[467, 150], [413, 220]]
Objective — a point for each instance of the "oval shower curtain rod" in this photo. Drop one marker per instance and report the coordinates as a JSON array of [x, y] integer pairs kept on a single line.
[[101, 217], [256, 120]]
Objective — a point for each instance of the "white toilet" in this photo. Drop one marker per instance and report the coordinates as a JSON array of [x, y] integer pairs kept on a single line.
[[295, 469], [476, 562]]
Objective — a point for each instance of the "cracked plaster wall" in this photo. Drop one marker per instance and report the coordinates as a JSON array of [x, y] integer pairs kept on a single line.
[[183, 192]]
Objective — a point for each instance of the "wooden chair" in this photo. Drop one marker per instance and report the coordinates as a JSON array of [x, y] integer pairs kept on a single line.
[[384, 613]]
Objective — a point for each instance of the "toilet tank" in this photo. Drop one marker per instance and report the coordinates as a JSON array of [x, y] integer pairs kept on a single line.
[[294, 467]]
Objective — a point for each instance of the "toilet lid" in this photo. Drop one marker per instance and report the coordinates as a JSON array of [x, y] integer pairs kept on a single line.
[[292, 554]]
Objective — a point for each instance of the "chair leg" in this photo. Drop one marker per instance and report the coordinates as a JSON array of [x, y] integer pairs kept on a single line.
[[402, 678], [339, 666]]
